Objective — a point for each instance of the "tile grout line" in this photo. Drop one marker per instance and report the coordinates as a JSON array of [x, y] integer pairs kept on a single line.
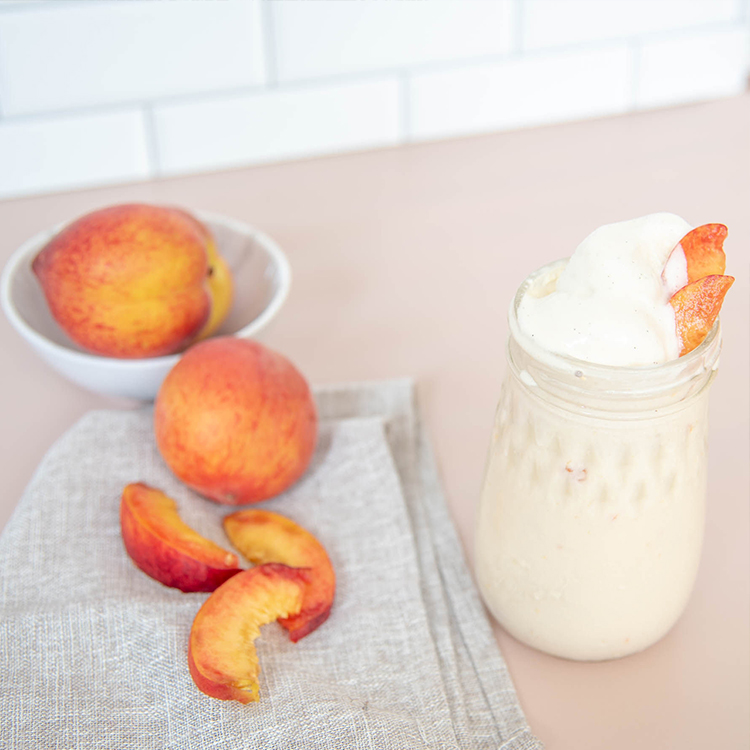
[[268, 38], [404, 104], [152, 140], [296, 85], [273, 84], [2, 81], [519, 24]]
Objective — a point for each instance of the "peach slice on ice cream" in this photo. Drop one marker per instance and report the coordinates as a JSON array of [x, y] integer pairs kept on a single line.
[[696, 307], [702, 251], [262, 537], [166, 548], [222, 657]]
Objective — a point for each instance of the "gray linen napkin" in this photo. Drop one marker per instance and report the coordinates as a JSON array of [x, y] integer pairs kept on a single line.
[[93, 652]]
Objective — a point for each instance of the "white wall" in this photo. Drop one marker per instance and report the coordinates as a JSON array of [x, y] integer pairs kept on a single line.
[[94, 92]]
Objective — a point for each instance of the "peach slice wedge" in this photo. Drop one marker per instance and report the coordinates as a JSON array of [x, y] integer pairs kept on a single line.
[[696, 307], [262, 537], [222, 657], [703, 249], [166, 548]]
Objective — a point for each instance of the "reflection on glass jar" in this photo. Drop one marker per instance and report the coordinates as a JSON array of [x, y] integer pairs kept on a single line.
[[590, 521]]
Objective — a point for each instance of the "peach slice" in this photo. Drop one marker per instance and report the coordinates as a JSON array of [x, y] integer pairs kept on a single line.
[[263, 537], [167, 549], [703, 249], [696, 307], [222, 658]]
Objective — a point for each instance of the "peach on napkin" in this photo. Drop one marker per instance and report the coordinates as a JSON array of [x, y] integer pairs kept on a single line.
[[167, 549], [222, 657], [263, 536], [235, 421]]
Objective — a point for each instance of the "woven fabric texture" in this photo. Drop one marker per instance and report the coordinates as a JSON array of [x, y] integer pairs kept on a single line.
[[93, 652]]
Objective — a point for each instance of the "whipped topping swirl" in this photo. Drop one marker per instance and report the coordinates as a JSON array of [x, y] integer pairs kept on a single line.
[[610, 303]]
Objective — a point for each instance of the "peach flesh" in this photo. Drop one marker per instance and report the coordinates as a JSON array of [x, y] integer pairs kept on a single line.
[[704, 251], [222, 657], [167, 549], [263, 536], [696, 307]]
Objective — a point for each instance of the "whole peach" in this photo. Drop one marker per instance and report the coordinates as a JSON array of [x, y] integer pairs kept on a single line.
[[235, 421], [134, 280]]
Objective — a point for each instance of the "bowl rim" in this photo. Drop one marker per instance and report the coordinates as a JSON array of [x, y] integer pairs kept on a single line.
[[35, 242]]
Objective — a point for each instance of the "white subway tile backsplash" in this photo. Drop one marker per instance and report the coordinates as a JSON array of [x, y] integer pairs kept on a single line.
[[692, 67], [256, 128], [315, 39], [533, 90], [79, 55], [54, 153], [553, 23], [94, 92]]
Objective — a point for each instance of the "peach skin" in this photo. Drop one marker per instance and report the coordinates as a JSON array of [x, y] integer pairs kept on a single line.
[[696, 307], [704, 251], [134, 281], [262, 537], [166, 548], [220, 282], [235, 421], [222, 658], [701, 251]]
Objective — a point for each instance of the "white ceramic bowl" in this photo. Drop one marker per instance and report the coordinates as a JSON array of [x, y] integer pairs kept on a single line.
[[261, 277]]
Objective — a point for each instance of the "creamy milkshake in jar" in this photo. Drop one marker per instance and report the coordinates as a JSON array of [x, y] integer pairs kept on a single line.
[[590, 521]]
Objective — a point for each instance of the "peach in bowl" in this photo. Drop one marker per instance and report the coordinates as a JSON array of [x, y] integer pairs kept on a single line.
[[214, 276]]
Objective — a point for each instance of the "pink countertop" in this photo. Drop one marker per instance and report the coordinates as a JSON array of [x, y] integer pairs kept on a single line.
[[404, 262]]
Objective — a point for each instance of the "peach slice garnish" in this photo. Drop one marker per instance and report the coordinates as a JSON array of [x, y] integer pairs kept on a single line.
[[696, 307], [263, 537], [702, 249], [222, 657], [164, 547]]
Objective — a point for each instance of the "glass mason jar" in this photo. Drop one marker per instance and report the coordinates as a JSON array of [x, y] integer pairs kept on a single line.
[[590, 521]]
